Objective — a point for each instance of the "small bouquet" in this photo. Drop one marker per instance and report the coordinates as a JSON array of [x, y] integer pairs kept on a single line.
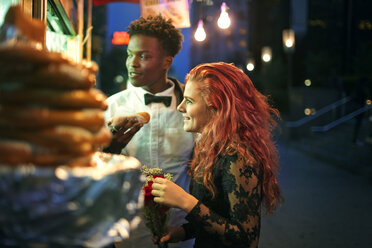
[[154, 214]]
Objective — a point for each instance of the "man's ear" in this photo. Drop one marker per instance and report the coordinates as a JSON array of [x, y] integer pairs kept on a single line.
[[167, 62]]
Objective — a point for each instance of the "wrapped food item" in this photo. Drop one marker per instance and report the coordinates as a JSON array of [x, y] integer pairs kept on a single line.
[[70, 206]]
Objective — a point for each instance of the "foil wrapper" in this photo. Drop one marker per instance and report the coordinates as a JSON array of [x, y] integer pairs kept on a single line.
[[70, 207]]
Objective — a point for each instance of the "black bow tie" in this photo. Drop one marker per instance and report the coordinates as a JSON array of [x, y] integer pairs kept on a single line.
[[164, 99]]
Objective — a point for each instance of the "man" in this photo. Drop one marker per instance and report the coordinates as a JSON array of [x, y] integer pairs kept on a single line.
[[161, 143]]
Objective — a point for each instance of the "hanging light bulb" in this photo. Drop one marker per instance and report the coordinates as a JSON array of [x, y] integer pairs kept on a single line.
[[250, 65], [266, 54], [288, 40], [200, 34], [224, 20]]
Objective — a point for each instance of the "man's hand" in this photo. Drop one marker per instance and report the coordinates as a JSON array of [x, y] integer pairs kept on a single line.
[[123, 129]]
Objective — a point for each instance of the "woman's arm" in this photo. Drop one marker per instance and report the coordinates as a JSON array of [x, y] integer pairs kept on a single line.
[[242, 185]]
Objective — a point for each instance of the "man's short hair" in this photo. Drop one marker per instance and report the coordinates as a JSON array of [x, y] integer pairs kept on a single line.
[[168, 36]]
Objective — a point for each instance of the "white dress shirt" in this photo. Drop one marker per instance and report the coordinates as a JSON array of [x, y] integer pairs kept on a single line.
[[161, 143]]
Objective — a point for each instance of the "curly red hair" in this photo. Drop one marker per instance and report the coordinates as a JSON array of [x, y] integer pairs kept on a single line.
[[243, 121]]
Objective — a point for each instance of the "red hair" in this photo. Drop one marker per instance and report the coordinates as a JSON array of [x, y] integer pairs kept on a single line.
[[243, 121]]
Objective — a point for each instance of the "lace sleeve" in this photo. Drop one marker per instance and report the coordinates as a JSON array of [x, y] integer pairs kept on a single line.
[[241, 184]]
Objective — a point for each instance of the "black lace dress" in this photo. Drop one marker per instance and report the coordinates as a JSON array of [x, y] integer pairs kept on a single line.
[[232, 218]]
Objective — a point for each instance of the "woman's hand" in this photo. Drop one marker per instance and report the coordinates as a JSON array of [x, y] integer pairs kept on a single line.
[[173, 235], [168, 193]]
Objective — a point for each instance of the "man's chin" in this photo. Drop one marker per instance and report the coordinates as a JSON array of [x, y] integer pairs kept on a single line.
[[135, 83]]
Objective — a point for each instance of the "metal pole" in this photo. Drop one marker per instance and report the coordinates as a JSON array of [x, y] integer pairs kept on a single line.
[[89, 31], [80, 23]]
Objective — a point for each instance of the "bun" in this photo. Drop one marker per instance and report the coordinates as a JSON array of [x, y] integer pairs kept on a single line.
[[35, 117], [52, 76], [50, 114], [30, 55], [141, 117], [31, 28], [91, 98], [145, 115]]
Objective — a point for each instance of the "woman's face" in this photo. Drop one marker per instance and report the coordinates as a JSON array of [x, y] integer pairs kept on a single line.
[[194, 108]]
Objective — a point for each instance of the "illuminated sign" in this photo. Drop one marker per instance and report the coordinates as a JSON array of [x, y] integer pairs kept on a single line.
[[120, 38], [177, 10]]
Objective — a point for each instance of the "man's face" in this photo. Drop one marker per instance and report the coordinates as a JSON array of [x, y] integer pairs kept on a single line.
[[146, 63]]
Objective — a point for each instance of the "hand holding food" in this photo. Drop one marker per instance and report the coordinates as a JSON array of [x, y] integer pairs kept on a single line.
[[121, 121], [124, 127]]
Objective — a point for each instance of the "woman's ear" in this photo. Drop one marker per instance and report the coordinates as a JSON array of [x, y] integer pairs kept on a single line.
[[211, 108]]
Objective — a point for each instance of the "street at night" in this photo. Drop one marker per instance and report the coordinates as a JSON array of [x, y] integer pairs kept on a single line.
[[325, 206], [148, 123]]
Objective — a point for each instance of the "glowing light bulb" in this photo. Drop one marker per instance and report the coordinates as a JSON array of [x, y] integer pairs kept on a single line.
[[250, 65], [200, 34], [266, 57], [224, 20], [307, 82], [266, 54], [288, 43], [288, 40]]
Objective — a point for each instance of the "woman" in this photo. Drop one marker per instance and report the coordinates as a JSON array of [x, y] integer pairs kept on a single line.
[[235, 162]]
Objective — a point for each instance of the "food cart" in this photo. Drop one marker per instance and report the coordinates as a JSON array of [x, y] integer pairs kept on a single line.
[[56, 188]]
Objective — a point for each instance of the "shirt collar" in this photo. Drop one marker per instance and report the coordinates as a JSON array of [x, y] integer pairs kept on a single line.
[[167, 92]]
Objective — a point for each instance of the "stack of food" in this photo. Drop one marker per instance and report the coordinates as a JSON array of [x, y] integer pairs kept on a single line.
[[51, 129], [50, 112]]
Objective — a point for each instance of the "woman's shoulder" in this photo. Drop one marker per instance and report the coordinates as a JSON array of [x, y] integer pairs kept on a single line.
[[241, 158], [233, 152]]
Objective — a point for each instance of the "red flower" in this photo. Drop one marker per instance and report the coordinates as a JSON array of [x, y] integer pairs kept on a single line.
[[154, 214], [149, 198]]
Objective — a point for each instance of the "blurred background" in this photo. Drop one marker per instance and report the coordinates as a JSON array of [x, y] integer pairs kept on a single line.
[[331, 50], [313, 59]]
